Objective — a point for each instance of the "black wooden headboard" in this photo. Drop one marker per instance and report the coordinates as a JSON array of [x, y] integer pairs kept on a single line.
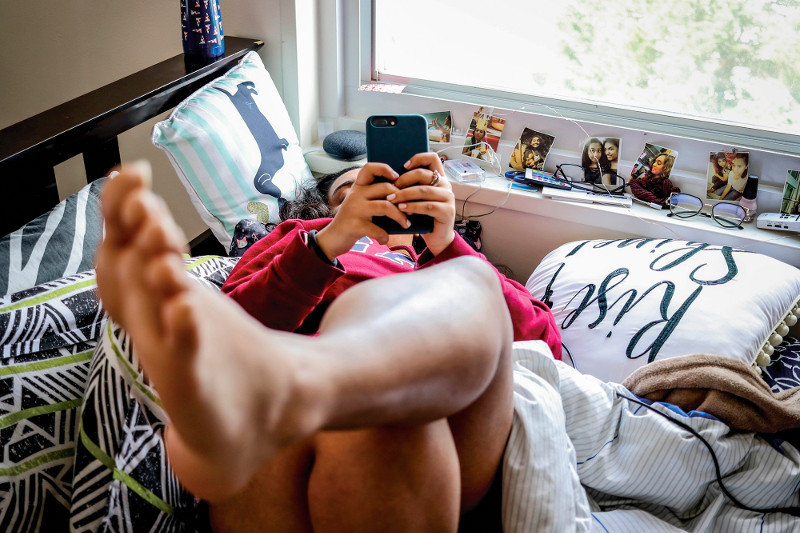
[[90, 124]]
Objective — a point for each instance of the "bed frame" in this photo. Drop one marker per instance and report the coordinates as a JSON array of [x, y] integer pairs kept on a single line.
[[90, 124]]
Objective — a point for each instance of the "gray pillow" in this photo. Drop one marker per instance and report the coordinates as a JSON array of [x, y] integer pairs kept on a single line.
[[58, 243]]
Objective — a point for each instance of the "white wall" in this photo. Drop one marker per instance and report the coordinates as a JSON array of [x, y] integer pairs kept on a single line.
[[51, 52]]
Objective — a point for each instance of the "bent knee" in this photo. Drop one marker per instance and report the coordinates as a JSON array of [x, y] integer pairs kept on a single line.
[[474, 266], [480, 282], [477, 274]]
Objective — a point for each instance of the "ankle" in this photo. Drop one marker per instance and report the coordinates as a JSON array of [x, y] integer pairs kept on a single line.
[[304, 401]]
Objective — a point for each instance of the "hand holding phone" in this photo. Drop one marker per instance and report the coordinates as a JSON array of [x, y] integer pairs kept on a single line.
[[394, 139]]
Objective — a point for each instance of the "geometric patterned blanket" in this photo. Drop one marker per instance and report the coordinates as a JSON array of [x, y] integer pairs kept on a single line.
[[80, 430]]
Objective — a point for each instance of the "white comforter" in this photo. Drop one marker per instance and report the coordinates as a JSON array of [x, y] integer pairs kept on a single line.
[[583, 458]]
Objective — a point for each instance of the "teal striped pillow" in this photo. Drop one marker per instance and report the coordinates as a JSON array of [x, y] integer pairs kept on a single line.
[[235, 149], [58, 243]]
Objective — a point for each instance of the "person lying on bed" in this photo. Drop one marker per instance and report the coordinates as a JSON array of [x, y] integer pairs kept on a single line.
[[393, 418], [288, 278]]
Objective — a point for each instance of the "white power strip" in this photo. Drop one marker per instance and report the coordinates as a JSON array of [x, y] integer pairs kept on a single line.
[[779, 221], [574, 195]]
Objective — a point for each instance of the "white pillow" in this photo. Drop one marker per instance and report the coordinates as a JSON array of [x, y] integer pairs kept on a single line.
[[623, 303], [235, 149]]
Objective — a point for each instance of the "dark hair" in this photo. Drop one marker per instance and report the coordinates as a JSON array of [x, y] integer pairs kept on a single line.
[[602, 161], [311, 202], [665, 171], [715, 157]]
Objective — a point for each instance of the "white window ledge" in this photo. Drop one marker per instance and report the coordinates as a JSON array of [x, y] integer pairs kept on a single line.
[[524, 226], [639, 220]]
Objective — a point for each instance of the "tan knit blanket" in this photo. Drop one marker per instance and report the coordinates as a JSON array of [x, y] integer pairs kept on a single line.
[[725, 388]]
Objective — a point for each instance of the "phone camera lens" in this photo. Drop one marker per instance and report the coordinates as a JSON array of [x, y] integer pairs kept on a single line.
[[384, 122]]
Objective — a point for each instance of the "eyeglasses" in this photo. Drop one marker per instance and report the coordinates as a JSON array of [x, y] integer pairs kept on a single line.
[[726, 214], [591, 179]]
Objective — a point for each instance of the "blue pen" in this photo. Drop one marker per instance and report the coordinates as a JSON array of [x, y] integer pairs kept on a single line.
[[524, 187]]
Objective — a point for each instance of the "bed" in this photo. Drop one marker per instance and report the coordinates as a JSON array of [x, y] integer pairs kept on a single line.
[[664, 340]]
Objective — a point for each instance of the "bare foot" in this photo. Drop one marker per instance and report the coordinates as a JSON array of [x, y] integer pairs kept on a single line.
[[233, 399]]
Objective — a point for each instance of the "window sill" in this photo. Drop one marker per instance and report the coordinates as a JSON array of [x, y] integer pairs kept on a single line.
[[616, 222], [521, 231]]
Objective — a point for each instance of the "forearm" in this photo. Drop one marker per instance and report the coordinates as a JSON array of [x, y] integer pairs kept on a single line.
[[280, 281]]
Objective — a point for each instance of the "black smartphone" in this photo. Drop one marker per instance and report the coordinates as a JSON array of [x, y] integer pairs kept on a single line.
[[393, 139]]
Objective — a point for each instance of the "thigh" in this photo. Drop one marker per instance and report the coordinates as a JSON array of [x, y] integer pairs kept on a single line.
[[388, 478], [481, 432], [275, 500]]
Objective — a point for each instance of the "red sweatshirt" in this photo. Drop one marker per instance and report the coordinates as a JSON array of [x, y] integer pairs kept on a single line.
[[285, 285]]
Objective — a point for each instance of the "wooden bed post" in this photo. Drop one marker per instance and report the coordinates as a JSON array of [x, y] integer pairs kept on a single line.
[[98, 160]]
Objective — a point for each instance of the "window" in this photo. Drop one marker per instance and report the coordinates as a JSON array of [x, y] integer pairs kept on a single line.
[[718, 70]]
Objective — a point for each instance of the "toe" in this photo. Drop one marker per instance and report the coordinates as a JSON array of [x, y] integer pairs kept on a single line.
[[117, 193]]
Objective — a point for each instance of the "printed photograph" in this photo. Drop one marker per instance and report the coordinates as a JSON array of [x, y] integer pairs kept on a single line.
[[650, 177], [654, 161], [531, 150], [600, 159], [483, 129], [790, 205], [727, 175], [439, 126]]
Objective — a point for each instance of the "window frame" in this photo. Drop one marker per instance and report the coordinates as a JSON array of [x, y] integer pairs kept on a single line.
[[630, 118]]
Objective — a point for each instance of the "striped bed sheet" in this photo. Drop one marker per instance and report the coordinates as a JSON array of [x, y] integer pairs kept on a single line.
[[585, 455]]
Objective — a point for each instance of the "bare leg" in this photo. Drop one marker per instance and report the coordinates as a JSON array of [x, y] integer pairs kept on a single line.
[[240, 395], [452, 321], [410, 477], [428, 471]]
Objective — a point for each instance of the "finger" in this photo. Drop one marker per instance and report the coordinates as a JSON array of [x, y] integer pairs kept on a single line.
[[376, 191], [389, 209], [366, 228], [377, 233], [435, 193], [440, 211], [429, 160], [421, 176], [360, 206], [372, 172]]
